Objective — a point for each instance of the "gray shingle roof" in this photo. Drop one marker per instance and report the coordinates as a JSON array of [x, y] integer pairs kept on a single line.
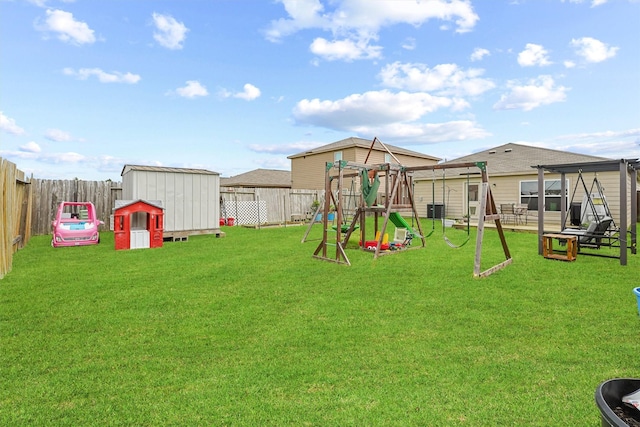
[[362, 143], [128, 168], [259, 178], [512, 159]]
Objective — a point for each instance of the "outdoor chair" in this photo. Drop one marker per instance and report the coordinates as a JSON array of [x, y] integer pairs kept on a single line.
[[520, 211], [593, 234], [506, 212]]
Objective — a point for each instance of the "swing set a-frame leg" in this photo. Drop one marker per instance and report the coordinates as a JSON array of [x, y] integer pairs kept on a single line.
[[489, 212]]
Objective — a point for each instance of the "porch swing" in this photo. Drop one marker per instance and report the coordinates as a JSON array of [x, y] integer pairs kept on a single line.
[[595, 220]]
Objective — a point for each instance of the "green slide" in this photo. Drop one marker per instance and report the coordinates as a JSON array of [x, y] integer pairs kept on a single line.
[[398, 221]]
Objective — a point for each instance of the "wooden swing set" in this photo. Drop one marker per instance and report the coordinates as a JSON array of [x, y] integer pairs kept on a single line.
[[397, 196]]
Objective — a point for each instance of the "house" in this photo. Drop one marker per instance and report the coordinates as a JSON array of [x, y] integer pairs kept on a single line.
[[259, 178], [514, 180], [190, 197], [308, 167]]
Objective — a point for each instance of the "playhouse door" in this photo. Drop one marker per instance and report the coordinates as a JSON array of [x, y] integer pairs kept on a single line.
[[140, 239]]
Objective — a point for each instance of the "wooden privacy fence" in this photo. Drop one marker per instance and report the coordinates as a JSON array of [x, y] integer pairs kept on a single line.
[[49, 193], [15, 213]]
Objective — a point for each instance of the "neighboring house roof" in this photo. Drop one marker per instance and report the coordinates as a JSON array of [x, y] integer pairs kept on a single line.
[[361, 143], [516, 159], [259, 178], [128, 168]]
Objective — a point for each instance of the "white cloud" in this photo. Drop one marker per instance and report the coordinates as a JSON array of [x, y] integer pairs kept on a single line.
[[569, 64], [9, 125], [594, 3], [193, 89], [43, 3], [103, 76], [249, 93], [536, 93], [382, 107], [394, 116], [170, 33], [426, 133], [409, 43], [66, 27], [54, 158], [443, 79], [479, 53], [284, 148], [593, 50], [58, 135], [533, 54], [347, 49], [355, 23], [611, 144], [30, 147]]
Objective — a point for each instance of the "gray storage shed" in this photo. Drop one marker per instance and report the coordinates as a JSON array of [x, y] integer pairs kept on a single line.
[[190, 197]]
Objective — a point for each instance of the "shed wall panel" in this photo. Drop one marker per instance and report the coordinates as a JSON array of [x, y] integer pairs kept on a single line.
[[191, 201]]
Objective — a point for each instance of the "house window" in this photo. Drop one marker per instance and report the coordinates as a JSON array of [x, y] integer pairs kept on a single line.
[[337, 156], [552, 194], [387, 158], [473, 192]]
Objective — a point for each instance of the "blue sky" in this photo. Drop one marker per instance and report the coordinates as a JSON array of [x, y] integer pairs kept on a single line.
[[234, 85]]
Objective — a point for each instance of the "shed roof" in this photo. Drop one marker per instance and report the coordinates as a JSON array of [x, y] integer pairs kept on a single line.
[[362, 143], [517, 159], [128, 168], [259, 178]]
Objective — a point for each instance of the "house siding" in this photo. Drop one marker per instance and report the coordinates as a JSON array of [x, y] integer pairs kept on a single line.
[[308, 172]]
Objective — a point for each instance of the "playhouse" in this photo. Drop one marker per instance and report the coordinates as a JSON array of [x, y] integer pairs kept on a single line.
[[138, 224]]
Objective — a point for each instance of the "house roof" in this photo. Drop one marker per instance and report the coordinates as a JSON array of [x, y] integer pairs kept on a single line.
[[128, 168], [517, 159], [362, 143], [259, 178]]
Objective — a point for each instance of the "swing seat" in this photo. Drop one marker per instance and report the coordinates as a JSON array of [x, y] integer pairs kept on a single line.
[[592, 235], [345, 227], [453, 245]]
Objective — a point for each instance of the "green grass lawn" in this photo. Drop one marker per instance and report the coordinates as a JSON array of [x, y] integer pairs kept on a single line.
[[251, 330]]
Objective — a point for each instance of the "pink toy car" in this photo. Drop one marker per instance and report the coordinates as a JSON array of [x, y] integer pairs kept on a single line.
[[75, 225]]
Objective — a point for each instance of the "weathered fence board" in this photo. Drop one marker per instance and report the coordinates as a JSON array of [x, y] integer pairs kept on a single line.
[[15, 210], [49, 193]]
